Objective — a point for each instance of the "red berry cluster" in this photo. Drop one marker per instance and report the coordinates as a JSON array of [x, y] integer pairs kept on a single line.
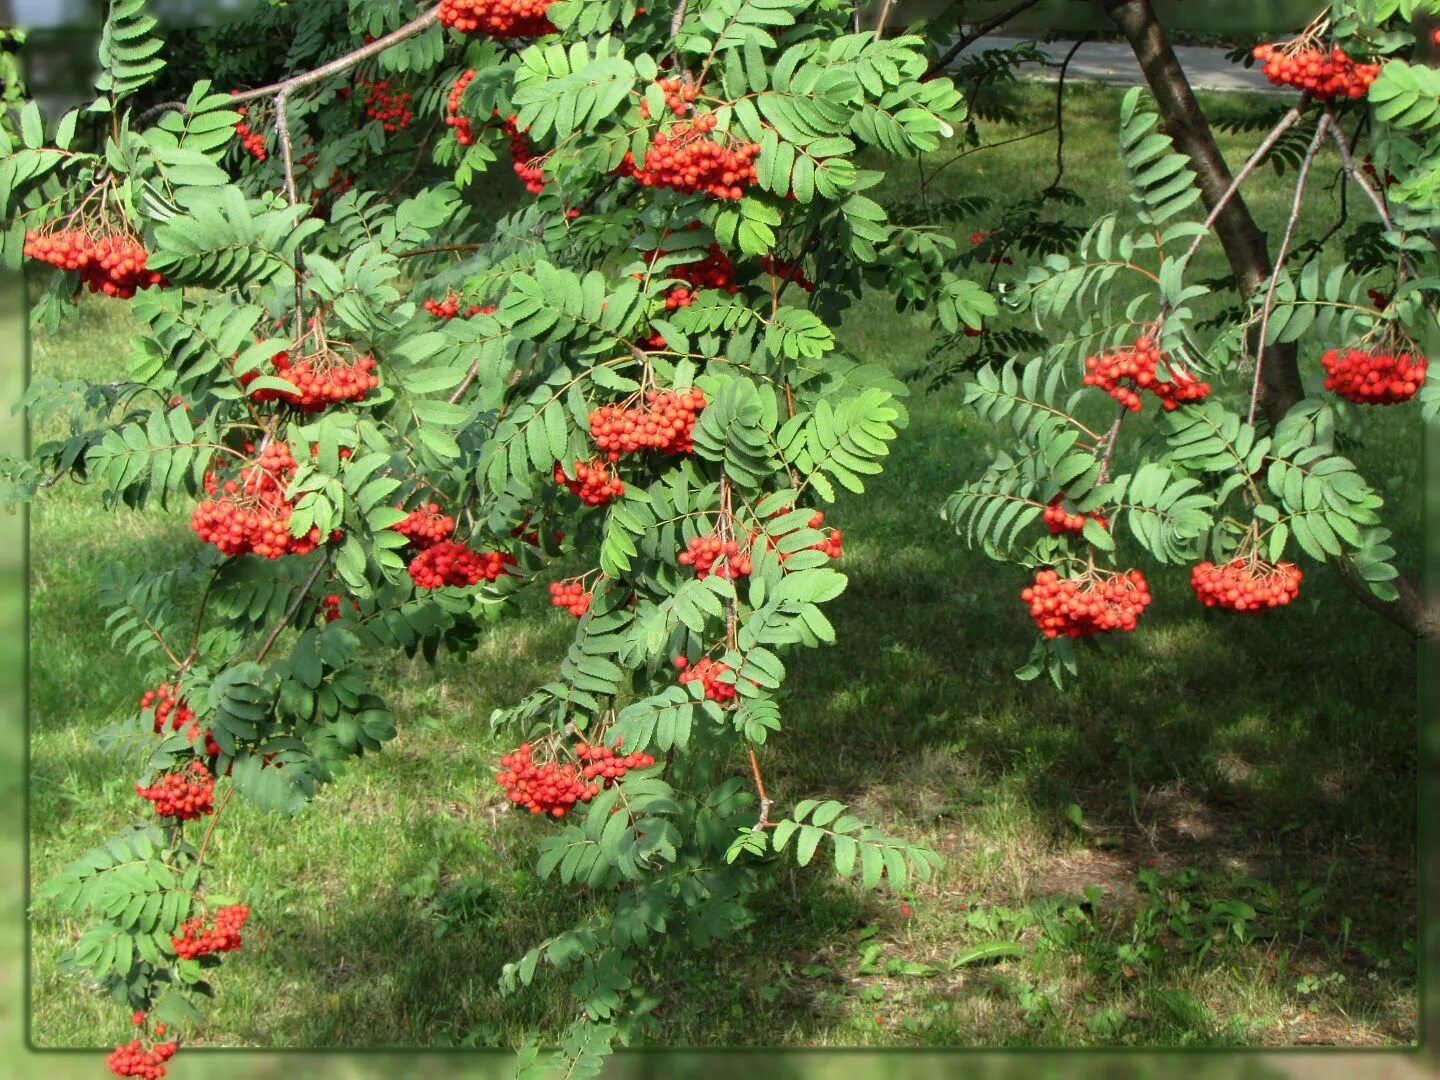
[[705, 552], [1059, 520], [995, 257], [169, 707], [1245, 584], [832, 545], [185, 795], [571, 595], [426, 526], [390, 107], [1326, 74], [1368, 166], [498, 18], [252, 515], [678, 96], [452, 563], [132, 1059], [321, 380], [1122, 373], [594, 482], [464, 133], [686, 160], [449, 308], [196, 939], [330, 607], [665, 424], [527, 166], [1069, 607], [546, 788], [607, 763], [1373, 378], [708, 672], [252, 141], [786, 270], [113, 263]]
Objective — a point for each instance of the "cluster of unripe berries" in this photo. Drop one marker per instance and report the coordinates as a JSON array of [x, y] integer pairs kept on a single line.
[[321, 381], [787, 270], [390, 107], [132, 1059], [253, 142], [1122, 373], [196, 939], [449, 308], [252, 515], [1083, 607], [1059, 520], [571, 595], [498, 18], [1373, 378], [1245, 584], [184, 795], [686, 160], [594, 482], [712, 554], [666, 424], [708, 673], [1327, 74], [553, 788], [678, 95], [169, 708], [112, 263]]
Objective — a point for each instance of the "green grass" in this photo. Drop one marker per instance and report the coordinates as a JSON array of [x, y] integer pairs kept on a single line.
[[1266, 761]]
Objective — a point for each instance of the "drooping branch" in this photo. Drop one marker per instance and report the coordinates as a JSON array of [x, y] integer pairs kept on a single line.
[[417, 25], [978, 31]]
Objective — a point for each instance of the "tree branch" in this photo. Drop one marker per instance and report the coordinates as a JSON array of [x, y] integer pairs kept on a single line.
[[415, 26], [978, 31], [1300, 179]]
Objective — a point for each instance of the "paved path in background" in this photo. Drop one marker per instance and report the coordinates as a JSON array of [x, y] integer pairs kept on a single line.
[[1113, 62]]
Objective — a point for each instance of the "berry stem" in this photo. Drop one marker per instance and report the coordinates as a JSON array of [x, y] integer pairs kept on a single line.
[[291, 612], [415, 26], [1320, 128]]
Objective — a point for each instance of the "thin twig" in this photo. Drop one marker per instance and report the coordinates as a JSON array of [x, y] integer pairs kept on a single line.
[[1286, 123], [210, 829], [1347, 159], [978, 31], [200, 619], [415, 26], [1304, 173], [1060, 113], [437, 249], [1112, 437], [765, 803], [158, 110], [291, 612]]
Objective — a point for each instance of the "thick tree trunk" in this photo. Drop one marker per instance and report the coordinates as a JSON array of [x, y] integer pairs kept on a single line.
[[1416, 610]]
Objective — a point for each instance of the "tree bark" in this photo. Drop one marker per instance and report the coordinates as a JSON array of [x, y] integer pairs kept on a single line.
[[1246, 246], [1247, 249]]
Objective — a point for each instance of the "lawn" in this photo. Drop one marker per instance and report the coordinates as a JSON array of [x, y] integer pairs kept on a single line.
[[1210, 839]]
